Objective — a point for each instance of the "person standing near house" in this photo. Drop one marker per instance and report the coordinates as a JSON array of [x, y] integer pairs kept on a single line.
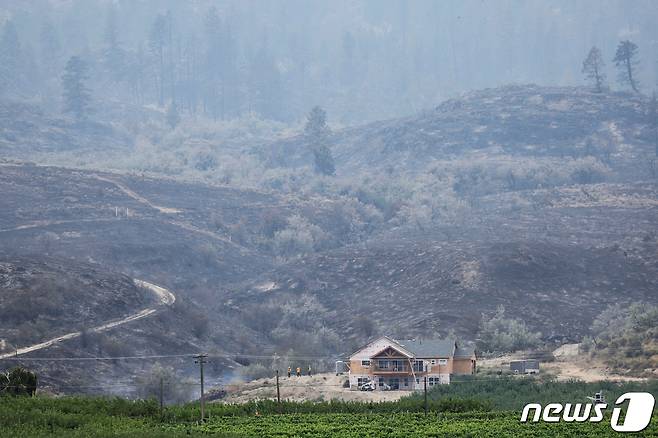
[[309, 371], [299, 372], [289, 371]]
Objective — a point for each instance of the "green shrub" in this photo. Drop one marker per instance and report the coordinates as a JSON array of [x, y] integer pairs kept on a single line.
[[501, 334]]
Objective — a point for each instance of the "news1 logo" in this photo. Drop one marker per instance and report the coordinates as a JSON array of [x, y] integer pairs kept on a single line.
[[637, 418]]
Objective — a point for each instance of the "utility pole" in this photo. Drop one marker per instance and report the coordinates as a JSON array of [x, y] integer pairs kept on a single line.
[[278, 393], [425, 390], [161, 395], [201, 359]]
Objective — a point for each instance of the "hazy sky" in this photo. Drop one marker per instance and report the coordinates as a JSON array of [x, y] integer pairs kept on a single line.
[[361, 59]]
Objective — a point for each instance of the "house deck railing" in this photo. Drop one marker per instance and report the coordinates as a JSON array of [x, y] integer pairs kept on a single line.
[[396, 368], [393, 369]]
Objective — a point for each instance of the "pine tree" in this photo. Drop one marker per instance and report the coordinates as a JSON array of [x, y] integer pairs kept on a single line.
[[30, 73], [157, 43], [316, 127], [214, 84], [593, 69], [49, 47], [113, 54], [626, 62], [173, 117], [317, 132], [10, 59], [266, 81], [324, 160], [76, 95]]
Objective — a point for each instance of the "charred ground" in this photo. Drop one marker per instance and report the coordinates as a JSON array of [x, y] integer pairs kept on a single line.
[[539, 199]]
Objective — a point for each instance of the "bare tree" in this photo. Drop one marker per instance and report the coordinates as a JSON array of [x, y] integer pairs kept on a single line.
[[626, 61], [593, 68]]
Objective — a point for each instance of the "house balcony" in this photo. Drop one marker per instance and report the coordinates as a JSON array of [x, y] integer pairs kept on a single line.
[[391, 369]]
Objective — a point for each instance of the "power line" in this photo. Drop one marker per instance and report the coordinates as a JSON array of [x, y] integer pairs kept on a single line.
[[167, 356], [72, 358], [125, 385], [547, 355]]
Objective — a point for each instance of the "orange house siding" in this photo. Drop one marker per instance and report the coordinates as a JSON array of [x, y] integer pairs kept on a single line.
[[463, 366], [357, 368]]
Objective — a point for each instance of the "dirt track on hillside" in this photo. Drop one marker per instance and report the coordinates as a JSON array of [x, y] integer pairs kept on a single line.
[[166, 299]]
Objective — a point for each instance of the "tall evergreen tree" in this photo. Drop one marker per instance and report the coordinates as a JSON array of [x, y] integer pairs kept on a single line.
[[593, 68], [30, 74], [317, 133], [136, 74], [157, 43], [77, 98], [49, 48], [113, 54], [10, 59], [267, 85], [316, 127], [626, 61], [214, 84], [173, 117], [347, 59], [324, 160]]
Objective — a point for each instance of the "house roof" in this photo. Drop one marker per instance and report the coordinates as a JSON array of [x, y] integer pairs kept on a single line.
[[375, 346], [431, 347], [420, 348], [464, 351], [397, 347]]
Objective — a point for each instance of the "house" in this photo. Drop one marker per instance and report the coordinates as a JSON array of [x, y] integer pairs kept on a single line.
[[526, 366], [405, 364]]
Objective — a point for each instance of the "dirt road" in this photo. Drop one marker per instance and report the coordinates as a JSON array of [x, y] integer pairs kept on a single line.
[[166, 299], [137, 197], [568, 364], [325, 386], [166, 210]]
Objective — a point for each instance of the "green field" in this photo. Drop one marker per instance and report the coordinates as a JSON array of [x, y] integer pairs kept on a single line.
[[510, 393], [474, 409], [492, 424], [83, 417]]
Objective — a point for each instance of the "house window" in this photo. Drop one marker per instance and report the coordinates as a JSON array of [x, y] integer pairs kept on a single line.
[[417, 380], [433, 381], [418, 366], [394, 383], [443, 361], [365, 363], [381, 381], [383, 364], [433, 361], [406, 381], [361, 380]]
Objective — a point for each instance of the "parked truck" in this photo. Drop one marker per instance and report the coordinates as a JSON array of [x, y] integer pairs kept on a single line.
[[525, 366]]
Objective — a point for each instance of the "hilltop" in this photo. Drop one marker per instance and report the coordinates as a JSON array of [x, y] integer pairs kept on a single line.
[[494, 126]]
